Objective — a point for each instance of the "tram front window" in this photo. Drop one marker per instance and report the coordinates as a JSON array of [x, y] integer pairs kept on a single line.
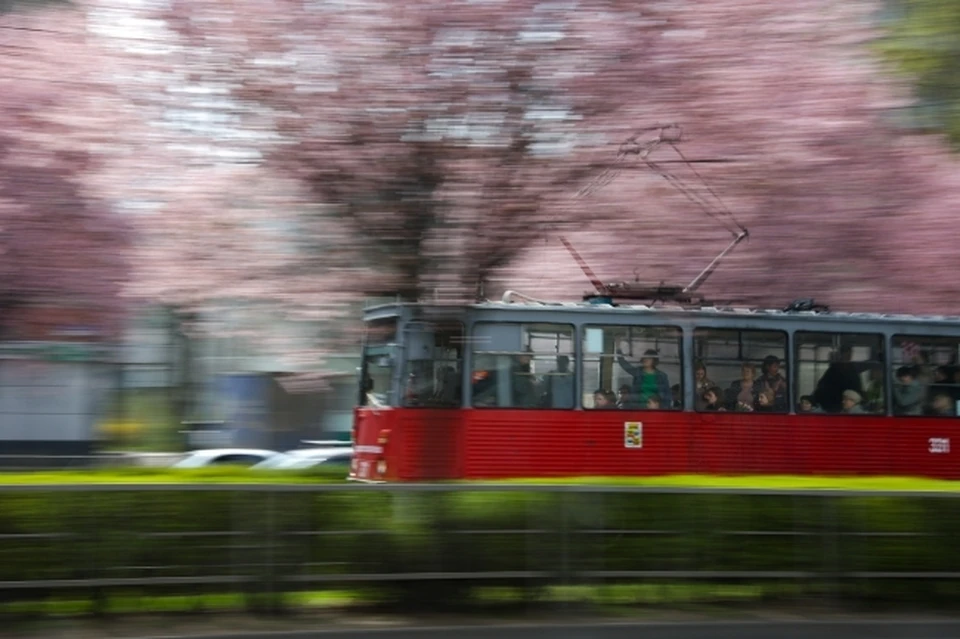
[[523, 366], [376, 370], [376, 377], [632, 367]]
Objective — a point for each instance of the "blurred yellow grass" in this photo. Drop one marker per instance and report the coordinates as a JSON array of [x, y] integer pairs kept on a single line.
[[245, 476]]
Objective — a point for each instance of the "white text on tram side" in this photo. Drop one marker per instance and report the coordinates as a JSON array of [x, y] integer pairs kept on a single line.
[[939, 445], [368, 450]]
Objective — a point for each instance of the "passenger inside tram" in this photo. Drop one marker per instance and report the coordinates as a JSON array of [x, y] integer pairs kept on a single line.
[[604, 399], [648, 380], [842, 375], [625, 399], [765, 401], [873, 400], [942, 406], [742, 394], [677, 397], [524, 386], [908, 393], [704, 383], [943, 382], [851, 400], [711, 399], [653, 402], [772, 380], [807, 405]]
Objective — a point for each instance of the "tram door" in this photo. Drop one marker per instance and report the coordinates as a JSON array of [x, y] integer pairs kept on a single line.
[[431, 383]]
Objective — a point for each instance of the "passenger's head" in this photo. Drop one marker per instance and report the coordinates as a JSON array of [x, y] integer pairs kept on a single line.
[[806, 404], [601, 399], [905, 375], [700, 371], [747, 371], [771, 365], [712, 395], [765, 398], [846, 353], [624, 391], [650, 359], [563, 363], [850, 399], [653, 402], [675, 391], [942, 404]]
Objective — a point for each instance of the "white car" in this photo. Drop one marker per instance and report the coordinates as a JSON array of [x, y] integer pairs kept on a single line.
[[223, 456], [308, 458]]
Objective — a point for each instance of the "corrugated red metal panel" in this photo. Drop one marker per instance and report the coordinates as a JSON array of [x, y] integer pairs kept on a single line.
[[489, 444]]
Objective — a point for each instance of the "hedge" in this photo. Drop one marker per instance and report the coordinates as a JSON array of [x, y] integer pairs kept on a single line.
[[439, 548]]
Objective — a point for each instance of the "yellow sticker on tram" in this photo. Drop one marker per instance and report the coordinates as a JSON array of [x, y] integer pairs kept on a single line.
[[633, 434]]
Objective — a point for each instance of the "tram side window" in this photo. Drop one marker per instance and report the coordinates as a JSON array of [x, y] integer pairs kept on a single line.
[[740, 370], [523, 365], [840, 373], [434, 354], [926, 375], [632, 367]]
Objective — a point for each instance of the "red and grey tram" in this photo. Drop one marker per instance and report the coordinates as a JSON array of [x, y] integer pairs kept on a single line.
[[517, 388]]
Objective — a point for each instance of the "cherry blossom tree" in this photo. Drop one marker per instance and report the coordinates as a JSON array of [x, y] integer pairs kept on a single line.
[[431, 146], [63, 251], [842, 205], [441, 138]]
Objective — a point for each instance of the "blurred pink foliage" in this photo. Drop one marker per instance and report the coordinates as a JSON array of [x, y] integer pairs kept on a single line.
[[422, 147], [61, 247], [448, 141]]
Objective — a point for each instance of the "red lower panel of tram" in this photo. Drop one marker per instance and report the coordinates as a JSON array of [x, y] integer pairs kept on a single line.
[[409, 444]]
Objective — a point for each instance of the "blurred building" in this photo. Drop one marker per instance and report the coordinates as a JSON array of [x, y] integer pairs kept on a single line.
[[237, 378], [57, 370]]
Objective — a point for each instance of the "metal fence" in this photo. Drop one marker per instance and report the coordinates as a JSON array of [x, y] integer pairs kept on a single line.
[[436, 542]]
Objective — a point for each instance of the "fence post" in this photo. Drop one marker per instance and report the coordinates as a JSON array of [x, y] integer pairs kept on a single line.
[[831, 557], [273, 597]]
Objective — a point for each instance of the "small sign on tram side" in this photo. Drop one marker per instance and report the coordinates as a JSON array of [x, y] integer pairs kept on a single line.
[[633, 434]]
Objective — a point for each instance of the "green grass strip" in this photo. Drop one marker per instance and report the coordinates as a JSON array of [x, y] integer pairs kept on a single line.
[[244, 476], [753, 482]]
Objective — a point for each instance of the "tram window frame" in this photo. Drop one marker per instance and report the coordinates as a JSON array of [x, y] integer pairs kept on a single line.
[[837, 341], [502, 362], [379, 346], [589, 355], [439, 380], [932, 348], [729, 403], [372, 396]]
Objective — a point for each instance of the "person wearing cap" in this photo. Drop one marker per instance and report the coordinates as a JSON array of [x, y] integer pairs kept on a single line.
[[851, 402], [771, 379], [648, 380], [843, 374]]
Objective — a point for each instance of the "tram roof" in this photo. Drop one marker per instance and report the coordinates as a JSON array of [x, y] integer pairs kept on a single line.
[[666, 311]]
